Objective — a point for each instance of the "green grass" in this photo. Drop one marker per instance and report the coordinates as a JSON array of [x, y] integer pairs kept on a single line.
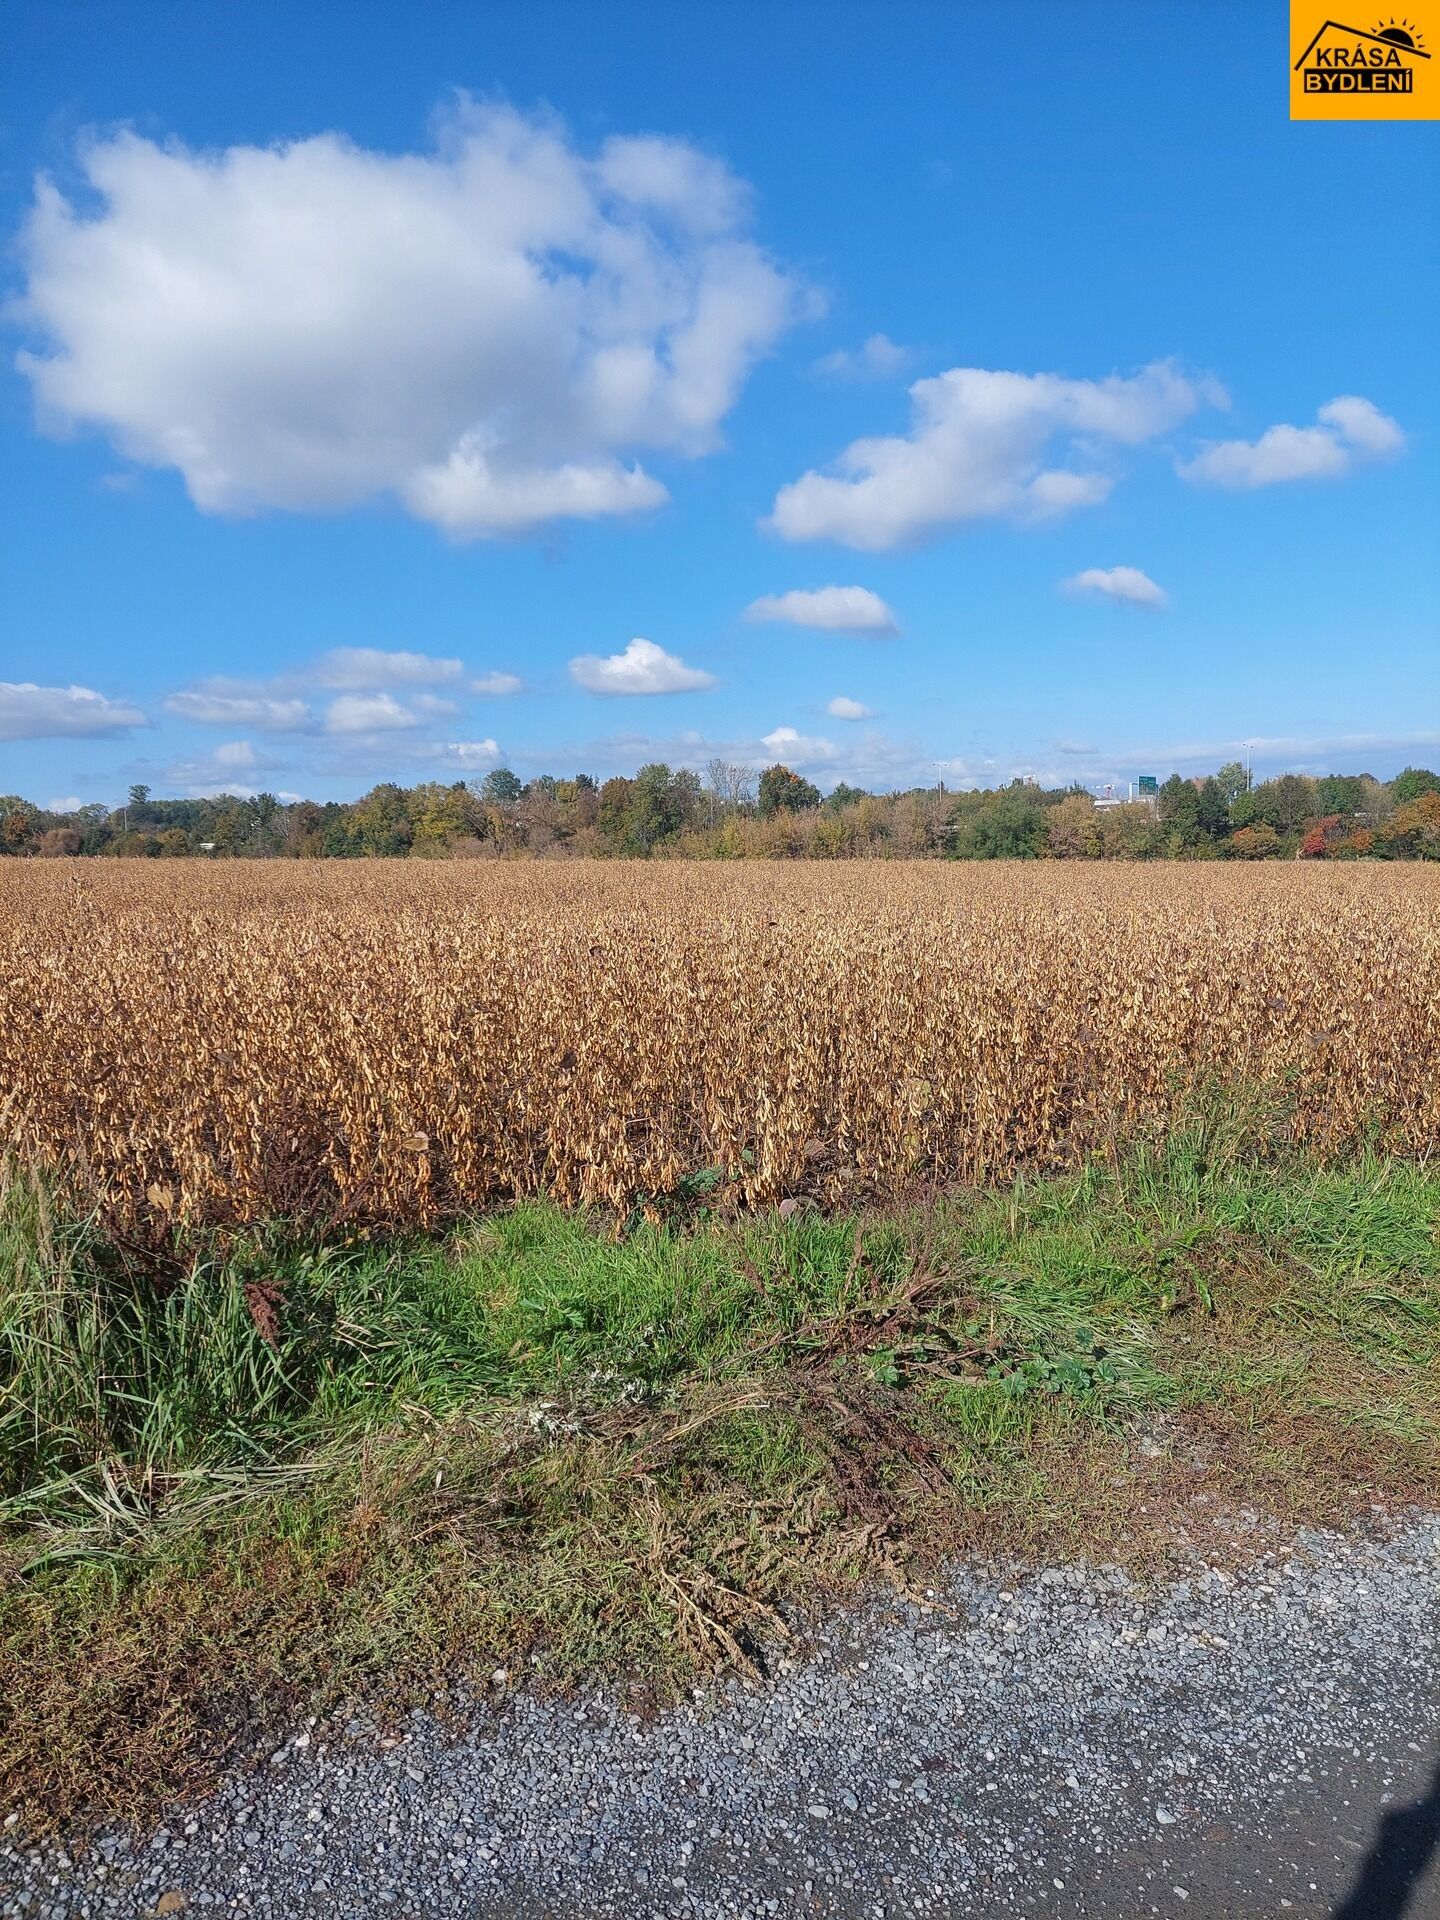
[[274, 1476]]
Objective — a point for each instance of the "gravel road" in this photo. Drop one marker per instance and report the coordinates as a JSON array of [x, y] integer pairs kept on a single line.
[[1055, 1743]]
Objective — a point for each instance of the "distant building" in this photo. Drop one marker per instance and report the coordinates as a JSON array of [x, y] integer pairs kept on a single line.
[[1111, 796]]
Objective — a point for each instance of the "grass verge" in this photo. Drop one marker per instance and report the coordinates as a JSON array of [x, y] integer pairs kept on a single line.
[[279, 1477]]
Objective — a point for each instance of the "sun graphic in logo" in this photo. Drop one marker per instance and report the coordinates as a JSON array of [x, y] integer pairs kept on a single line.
[[1401, 33]]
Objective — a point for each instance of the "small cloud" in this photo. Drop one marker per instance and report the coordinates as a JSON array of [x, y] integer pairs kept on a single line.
[[497, 685], [71, 803], [215, 773], [879, 359], [368, 713], [120, 482], [799, 749], [1128, 585], [275, 706], [1362, 425], [1349, 431], [362, 668], [235, 753], [468, 497], [842, 708], [230, 703], [466, 755], [641, 668], [30, 712], [832, 609]]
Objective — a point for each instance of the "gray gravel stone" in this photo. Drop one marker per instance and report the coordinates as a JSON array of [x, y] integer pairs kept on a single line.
[[1056, 1742]]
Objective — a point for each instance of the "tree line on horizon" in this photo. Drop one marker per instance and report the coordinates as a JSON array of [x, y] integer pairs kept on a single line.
[[732, 813]]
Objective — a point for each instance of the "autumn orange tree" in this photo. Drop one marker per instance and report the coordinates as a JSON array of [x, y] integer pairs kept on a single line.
[[1413, 831]]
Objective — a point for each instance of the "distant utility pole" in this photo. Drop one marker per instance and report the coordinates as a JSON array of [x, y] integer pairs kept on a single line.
[[940, 778]]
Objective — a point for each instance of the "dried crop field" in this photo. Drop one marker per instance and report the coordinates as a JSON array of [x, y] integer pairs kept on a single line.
[[391, 1042]]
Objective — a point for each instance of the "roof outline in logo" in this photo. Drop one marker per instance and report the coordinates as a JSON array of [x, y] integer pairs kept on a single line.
[[1360, 34]]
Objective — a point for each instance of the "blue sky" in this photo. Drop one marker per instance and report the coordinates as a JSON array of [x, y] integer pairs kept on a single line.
[[377, 376]]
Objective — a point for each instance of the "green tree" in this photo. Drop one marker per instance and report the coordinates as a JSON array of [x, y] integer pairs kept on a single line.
[[1410, 784], [1130, 832], [381, 820], [613, 809], [1342, 793], [501, 787], [1213, 814], [1232, 781], [340, 839], [779, 787], [1072, 829], [19, 823], [439, 816], [843, 795], [230, 825], [304, 837], [1180, 812], [660, 802], [1287, 803], [1009, 824]]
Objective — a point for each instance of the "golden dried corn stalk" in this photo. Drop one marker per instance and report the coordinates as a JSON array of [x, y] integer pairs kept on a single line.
[[392, 1041]]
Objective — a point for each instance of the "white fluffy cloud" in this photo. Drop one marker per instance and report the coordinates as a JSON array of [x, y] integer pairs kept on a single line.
[[281, 705], [370, 713], [491, 331], [28, 712], [364, 668], [469, 494], [842, 707], [833, 609], [465, 756], [879, 359], [1126, 584], [226, 703], [641, 668], [235, 753], [1348, 430], [979, 446], [229, 768], [798, 749]]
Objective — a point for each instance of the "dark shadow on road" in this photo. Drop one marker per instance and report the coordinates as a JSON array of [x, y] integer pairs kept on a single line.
[[1390, 1874]]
